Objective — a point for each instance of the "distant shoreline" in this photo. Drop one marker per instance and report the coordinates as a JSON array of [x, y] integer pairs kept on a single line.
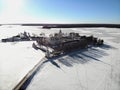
[[67, 25]]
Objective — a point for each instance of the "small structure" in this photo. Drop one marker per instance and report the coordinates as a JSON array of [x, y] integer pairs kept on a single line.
[[25, 36]]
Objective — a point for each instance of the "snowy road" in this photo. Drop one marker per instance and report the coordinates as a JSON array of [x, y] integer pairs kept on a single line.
[[97, 68]]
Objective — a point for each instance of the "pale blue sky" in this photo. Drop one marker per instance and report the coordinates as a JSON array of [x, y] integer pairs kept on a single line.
[[60, 11]]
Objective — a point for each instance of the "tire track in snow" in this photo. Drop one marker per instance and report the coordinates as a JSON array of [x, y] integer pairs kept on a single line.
[[79, 78], [86, 77]]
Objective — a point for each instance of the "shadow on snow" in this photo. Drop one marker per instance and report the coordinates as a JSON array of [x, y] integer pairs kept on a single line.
[[76, 57], [80, 56]]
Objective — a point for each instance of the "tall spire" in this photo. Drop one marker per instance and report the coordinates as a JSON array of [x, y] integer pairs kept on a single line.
[[60, 31]]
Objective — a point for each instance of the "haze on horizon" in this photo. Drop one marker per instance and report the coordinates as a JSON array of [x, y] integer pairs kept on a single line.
[[60, 11]]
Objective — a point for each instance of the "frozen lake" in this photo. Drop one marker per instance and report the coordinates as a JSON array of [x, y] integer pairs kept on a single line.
[[96, 68]]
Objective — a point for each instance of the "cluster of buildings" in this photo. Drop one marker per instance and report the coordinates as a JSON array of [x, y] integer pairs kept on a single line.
[[59, 43]]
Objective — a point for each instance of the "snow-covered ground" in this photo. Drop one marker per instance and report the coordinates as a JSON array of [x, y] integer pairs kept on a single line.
[[97, 68], [16, 59]]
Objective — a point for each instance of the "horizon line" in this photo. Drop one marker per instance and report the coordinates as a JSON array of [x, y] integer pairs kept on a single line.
[[60, 23]]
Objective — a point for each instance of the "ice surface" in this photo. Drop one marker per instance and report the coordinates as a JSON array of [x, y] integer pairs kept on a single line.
[[97, 68]]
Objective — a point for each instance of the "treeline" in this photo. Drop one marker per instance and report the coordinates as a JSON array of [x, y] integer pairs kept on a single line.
[[74, 25], [68, 25]]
